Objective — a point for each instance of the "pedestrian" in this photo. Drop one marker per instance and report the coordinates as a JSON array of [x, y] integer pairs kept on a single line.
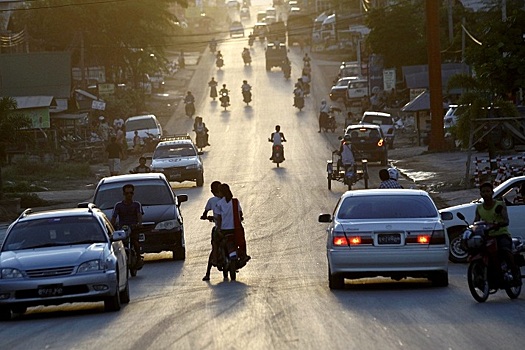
[[210, 205], [386, 179], [103, 129], [121, 140], [142, 167], [114, 151], [118, 123], [136, 142], [229, 219]]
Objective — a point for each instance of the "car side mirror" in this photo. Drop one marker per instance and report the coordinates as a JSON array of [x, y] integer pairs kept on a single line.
[[325, 218], [447, 216], [182, 198], [119, 235]]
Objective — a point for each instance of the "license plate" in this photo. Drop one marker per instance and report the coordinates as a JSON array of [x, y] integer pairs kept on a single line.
[[52, 290], [174, 176], [389, 238], [142, 237]]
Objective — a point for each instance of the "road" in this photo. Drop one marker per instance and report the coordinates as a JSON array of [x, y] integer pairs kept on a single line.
[[281, 299]]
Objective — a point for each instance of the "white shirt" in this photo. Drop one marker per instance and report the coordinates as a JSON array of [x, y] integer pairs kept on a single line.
[[211, 205], [225, 210], [277, 138], [117, 123], [347, 156]]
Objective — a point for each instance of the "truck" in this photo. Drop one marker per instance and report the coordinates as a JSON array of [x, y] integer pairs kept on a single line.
[[275, 55], [277, 32], [299, 28]]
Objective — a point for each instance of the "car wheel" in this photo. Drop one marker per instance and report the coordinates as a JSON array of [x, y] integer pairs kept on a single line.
[[5, 313], [112, 303], [457, 253], [124, 295], [439, 279], [335, 281], [200, 180], [507, 142], [179, 253], [19, 310]]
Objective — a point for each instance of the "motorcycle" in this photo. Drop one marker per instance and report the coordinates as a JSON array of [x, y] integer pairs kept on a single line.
[[328, 121], [134, 260], [298, 101], [251, 39], [225, 100], [213, 47], [287, 71], [488, 271], [306, 88], [227, 258], [190, 109], [247, 58], [247, 97], [277, 153], [220, 62]]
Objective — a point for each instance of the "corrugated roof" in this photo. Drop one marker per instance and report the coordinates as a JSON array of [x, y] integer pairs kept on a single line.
[[24, 102]]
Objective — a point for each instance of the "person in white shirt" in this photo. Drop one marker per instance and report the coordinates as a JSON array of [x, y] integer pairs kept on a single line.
[[277, 138], [118, 123], [211, 205], [323, 114]]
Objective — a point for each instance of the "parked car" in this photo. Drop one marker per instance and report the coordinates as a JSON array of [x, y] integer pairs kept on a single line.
[[236, 28], [147, 126], [509, 192], [62, 256], [260, 16], [349, 69], [340, 88], [178, 159], [162, 224], [396, 233], [368, 143], [357, 89], [451, 118], [385, 121]]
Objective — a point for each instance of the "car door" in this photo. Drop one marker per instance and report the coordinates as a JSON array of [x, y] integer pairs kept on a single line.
[[515, 208], [118, 249]]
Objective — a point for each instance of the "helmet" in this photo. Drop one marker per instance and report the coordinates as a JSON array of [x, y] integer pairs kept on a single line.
[[245, 81], [394, 174], [347, 138], [323, 102]]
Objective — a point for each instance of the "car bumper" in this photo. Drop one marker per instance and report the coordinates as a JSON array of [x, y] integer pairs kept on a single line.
[[180, 175], [387, 262], [156, 241], [76, 288]]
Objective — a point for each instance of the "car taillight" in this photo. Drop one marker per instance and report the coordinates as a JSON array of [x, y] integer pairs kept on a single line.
[[438, 237], [435, 237], [380, 143], [339, 241], [352, 240]]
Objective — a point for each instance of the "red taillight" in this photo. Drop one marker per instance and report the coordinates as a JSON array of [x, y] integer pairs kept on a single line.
[[380, 143], [436, 237], [352, 240], [423, 239], [355, 240], [339, 241]]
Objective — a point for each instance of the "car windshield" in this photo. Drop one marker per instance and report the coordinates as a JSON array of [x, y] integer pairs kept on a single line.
[[378, 120], [363, 134], [357, 85], [174, 151], [349, 71], [343, 82], [55, 231], [390, 207], [146, 192], [140, 124]]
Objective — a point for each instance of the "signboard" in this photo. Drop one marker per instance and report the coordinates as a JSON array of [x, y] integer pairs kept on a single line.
[[98, 105], [106, 89], [389, 79]]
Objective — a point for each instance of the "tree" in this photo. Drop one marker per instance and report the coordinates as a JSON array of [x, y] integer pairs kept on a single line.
[[10, 125]]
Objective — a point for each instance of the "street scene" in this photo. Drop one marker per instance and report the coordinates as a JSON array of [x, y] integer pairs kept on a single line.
[[257, 186]]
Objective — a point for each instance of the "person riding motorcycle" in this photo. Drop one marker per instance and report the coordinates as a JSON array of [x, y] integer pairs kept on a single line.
[[251, 38], [324, 111], [246, 91], [189, 98], [219, 59], [201, 131], [213, 88], [213, 45], [287, 67], [346, 154], [277, 138], [189, 101], [224, 93], [495, 212], [298, 94], [246, 56]]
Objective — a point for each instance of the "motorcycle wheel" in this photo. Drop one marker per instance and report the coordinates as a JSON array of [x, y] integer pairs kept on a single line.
[[132, 265], [329, 181], [225, 273], [478, 283], [514, 291]]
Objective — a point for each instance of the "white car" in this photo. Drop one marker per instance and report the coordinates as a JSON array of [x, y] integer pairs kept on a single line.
[[508, 191], [385, 121], [146, 125], [386, 232]]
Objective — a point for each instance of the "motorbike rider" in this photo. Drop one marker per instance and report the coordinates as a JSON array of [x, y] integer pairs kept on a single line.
[[246, 89], [246, 56], [200, 129], [324, 110], [298, 94], [346, 154], [213, 45], [251, 38], [277, 138], [213, 88], [210, 205], [189, 98], [129, 212], [388, 178], [142, 167], [306, 59], [287, 67], [495, 212], [225, 92]]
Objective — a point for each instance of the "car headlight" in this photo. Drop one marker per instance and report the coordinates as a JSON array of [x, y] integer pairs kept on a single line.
[[167, 225], [92, 265], [11, 273]]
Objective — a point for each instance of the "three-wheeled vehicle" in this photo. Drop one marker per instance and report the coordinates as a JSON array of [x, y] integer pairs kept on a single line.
[[348, 175]]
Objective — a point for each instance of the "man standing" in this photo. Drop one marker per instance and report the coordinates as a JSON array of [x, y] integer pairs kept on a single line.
[[115, 154]]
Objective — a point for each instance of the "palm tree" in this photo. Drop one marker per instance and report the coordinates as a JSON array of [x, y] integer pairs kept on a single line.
[[10, 125]]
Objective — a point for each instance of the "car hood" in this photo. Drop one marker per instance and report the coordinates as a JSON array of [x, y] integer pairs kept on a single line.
[[174, 162], [50, 257], [152, 213]]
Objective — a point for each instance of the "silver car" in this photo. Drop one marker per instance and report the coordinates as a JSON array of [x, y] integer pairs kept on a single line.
[[386, 232], [62, 256]]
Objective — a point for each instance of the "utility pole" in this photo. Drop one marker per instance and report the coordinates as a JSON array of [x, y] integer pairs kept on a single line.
[[437, 139]]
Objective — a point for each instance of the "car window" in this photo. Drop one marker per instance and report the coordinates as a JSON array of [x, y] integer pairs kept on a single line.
[[57, 231], [349, 71], [174, 151], [363, 133], [376, 207], [139, 124], [342, 82], [357, 85], [146, 192], [374, 119]]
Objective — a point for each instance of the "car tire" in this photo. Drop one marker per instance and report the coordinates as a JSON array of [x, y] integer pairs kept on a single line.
[[112, 303], [5, 313], [19, 309], [439, 279], [124, 295], [179, 253], [507, 142], [456, 252], [335, 281], [200, 180]]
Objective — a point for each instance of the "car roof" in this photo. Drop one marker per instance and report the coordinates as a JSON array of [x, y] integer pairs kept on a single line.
[[384, 192], [132, 178], [138, 117], [379, 114], [174, 142], [29, 214]]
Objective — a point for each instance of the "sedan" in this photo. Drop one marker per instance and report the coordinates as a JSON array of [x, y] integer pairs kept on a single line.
[[386, 232], [62, 256], [340, 88]]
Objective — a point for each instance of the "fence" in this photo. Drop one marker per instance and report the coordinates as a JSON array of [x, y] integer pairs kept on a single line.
[[507, 167]]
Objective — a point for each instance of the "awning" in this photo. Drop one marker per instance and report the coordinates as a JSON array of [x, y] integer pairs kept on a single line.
[[420, 103]]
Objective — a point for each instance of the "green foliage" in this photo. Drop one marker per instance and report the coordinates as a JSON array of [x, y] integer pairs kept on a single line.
[[28, 200]]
